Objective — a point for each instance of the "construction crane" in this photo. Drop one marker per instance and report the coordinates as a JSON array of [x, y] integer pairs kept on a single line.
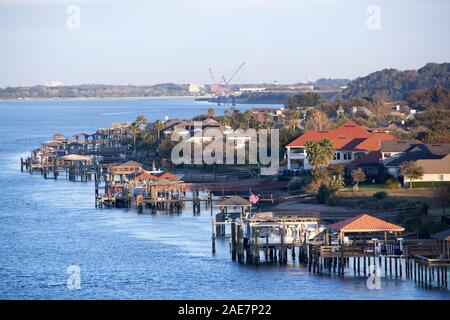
[[218, 89], [233, 98], [223, 86]]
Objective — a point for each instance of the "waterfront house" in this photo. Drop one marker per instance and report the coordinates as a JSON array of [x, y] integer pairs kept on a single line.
[[261, 114], [414, 153], [168, 176], [435, 171], [396, 148], [352, 142], [58, 137]]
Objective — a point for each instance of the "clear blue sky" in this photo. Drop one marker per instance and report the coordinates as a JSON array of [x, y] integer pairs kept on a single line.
[[147, 42]]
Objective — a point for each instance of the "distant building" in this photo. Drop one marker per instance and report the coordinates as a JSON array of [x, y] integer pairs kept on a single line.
[[52, 84], [252, 89], [196, 89], [260, 114]]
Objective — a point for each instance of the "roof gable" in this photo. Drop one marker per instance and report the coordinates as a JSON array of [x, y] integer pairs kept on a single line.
[[364, 223], [398, 145], [373, 142], [435, 166], [346, 137]]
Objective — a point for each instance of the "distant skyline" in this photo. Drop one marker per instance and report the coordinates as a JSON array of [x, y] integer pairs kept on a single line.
[[147, 42]]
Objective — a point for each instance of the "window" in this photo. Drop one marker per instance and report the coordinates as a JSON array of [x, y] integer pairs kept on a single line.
[[337, 156], [347, 156], [441, 177], [359, 155]]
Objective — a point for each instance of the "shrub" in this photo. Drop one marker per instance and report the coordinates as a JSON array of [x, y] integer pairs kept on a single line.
[[323, 194], [294, 184], [313, 186], [380, 195], [429, 184], [393, 184], [336, 183]]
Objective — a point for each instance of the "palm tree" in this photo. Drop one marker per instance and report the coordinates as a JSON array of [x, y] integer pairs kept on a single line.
[[135, 127], [295, 117], [268, 120], [327, 150], [226, 121], [319, 154], [159, 126], [248, 116], [411, 171], [141, 120], [312, 150], [134, 130], [211, 112]]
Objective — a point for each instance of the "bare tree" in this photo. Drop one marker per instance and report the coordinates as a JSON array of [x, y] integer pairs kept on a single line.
[[378, 105], [317, 120], [358, 176]]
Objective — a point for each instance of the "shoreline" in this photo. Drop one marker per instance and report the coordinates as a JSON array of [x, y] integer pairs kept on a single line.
[[104, 98]]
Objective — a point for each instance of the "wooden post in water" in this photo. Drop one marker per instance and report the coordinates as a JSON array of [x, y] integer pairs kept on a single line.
[[233, 241], [266, 247], [213, 238], [282, 246], [256, 254], [240, 245]]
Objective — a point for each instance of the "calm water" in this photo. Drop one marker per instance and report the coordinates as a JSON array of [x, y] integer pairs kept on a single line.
[[47, 225]]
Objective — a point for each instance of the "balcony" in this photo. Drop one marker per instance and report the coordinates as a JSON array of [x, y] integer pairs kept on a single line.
[[297, 154]]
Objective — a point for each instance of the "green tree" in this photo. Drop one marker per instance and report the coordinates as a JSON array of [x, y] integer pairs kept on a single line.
[[303, 100], [411, 171], [323, 194]]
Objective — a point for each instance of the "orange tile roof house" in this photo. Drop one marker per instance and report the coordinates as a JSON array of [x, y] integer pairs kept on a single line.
[[352, 142]]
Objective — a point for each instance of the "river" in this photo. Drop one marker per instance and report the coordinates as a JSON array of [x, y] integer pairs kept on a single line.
[[47, 226]]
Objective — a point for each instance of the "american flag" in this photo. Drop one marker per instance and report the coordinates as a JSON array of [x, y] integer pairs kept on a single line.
[[253, 198]]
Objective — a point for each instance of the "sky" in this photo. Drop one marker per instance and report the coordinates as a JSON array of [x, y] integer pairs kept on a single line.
[[154, 41]]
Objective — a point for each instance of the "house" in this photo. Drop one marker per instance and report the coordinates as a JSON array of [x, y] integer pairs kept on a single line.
[[435, 170], [260, 114], [352, 142], [198, 132], [395, 148], [362, 110], [415, 153]]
